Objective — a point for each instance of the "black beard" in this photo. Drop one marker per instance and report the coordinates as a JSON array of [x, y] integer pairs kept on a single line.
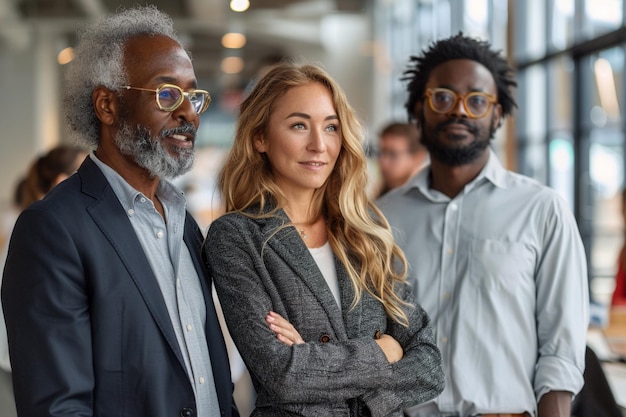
[[454, 156], [148, 152]]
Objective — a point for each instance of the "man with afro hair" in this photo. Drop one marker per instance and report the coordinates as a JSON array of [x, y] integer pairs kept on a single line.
[[495, 257]]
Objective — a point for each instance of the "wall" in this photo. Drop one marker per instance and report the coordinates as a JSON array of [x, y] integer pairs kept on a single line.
[[18, 140]]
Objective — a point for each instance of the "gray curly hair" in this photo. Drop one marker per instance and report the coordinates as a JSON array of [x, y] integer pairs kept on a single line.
[[99, 61]]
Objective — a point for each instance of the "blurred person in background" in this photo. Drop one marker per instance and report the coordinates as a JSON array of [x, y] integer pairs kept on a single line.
[[400, 155], [44, 173], [107, 301], [49, 170]]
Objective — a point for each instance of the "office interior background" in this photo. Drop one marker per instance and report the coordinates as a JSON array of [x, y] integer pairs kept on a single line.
[[568, 130]]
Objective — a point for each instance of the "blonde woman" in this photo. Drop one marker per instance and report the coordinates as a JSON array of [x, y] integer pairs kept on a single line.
[[312, 285]]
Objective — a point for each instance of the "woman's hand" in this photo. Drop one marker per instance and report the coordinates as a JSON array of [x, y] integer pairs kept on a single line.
[[284, 331], [391, 348]]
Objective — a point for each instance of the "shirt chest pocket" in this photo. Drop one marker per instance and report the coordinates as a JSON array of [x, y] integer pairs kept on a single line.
[[501, 265]]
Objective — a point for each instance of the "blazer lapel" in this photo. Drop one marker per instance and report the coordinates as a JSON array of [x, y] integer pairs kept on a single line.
[[352, 316], [213, 332], [289, 246], [109, 215], [193, 239]]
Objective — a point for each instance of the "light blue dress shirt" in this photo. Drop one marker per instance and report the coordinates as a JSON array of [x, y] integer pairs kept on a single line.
[[178, 279], [501, 270]]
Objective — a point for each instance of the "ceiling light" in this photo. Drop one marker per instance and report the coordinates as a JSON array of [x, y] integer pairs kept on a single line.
[[233, 40], [65, 56], [232, 65], [239, 5]]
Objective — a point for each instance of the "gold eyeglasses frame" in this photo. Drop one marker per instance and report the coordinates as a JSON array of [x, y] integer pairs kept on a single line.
[[491, 100], [181, 99]]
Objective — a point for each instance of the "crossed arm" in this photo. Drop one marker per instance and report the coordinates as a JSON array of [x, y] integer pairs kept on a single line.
[[287, 334]]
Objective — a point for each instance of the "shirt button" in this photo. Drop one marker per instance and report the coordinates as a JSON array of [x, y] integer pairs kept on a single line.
[[453, 207], [160, 234], [449, 250], [189, 327], [142, 199], [446, 296], [131, 212], [201, 380], [324, 338], [443, 339]]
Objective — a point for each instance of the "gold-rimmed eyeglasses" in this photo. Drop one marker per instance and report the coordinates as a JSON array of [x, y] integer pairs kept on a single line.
[[444, 101], [169, 97]]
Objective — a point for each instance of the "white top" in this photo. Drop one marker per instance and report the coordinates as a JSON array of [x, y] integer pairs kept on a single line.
[[325, 260], [501, 270]]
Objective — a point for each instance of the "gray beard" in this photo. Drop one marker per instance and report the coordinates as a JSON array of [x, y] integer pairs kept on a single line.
[[148, 152]]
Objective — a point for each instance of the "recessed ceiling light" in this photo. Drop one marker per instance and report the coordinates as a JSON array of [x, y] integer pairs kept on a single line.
[[239, 5], [65, 56], [232, 65], [233, 40]]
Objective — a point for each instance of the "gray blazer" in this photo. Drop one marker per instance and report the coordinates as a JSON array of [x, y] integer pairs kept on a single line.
[[257, 266]]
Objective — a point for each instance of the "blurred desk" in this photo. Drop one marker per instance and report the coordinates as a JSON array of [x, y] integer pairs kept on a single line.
[[615, 367], [616, 375], [615, 331]]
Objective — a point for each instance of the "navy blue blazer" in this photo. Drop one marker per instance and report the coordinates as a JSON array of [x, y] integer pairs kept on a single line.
[[88, 329]]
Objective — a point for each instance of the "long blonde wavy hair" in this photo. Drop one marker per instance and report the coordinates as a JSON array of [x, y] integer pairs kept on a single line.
[[358, 233]]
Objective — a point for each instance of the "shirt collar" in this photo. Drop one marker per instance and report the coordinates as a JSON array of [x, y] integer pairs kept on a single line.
[[166, 191], [493, 171]]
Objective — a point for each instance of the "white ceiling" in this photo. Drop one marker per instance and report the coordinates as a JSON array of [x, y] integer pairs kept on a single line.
[[270, 25]]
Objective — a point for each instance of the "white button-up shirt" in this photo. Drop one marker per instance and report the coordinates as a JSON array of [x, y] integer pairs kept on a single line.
[[501, 270], [176, 275]]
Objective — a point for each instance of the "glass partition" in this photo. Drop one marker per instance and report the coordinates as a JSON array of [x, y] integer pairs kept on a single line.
[[602, 16], [603, 113]]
